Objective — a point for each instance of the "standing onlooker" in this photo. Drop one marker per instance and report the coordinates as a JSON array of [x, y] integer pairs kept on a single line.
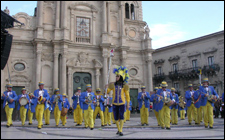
[[217, 108]]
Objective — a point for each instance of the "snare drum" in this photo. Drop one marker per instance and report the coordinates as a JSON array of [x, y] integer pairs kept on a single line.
[[212, 98], [23, 101], [169, 102]]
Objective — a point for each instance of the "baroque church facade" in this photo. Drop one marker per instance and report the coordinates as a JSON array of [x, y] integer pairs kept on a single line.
[[67, 44]]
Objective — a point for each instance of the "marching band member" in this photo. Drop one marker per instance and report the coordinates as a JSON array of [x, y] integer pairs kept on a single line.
[[174, 107], [32, 106], [143, 100], [99, 106], [164, 110], [128, 111], [88, 106], [47, 112], [56, 100], [182, 113], [125, 112], [207, 106], [42, 95], [113, 120], [23, 109], [189, 96], [77, 106], [120, 89], [108, 112], [65, 104], [197, 97], [9, 98], [154, 99]]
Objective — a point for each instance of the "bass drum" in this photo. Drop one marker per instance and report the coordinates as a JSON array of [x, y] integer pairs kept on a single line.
[[23, 101], [64, 111]]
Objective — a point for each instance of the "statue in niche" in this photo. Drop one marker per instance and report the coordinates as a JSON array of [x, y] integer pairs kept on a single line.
[[147, 31]]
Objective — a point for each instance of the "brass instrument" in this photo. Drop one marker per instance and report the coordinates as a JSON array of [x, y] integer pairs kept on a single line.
[[56, 99], [89, 99], [77, 95], [97, 103], [166, 101], [182, 103]]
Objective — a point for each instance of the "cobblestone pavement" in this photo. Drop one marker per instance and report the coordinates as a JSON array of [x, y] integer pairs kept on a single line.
[[132, 129]]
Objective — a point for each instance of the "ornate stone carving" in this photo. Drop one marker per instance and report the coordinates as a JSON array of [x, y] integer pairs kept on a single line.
[[147, 31], [194, 54], [210, 50], [97, 63], [19, 78], [82, 59], [47, 57], [159, 61], [174, 58]]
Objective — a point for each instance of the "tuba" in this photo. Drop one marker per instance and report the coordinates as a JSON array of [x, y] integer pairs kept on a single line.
[[89, 99], [182, 103]]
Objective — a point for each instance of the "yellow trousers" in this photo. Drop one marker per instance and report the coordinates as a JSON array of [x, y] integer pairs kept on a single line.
[[98, 110], [125, 116], [107, 116], [208, 114], [78, 116], [74, 116], [39, 114], [201, 112], [8, 112], [157, 116], [164, 114], [174, 116], [23, 112], [128, 115], [63, 119], [30, 116], [57, 115], [47, 116], [144, 115], [189, 113], [182, 114], [88, 117]]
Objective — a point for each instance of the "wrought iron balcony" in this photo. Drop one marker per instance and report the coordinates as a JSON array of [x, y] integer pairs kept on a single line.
[[159, 77], [210, 69], [190, 73]]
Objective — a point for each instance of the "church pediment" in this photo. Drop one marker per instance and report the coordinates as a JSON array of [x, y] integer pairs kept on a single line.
[[82, 6]]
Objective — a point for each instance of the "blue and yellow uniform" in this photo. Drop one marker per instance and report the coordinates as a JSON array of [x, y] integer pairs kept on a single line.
[[164, 110], [120, 91], [174, 108], [207, 106], [99, 106], [143, 101], [23, 109], [65, 104], [77, 107], [32, 106], [88, 108], [189, 96], [9, 106], [197, 97], [107, 110], [47, 112], [154, 100], [56, 101], [128, 112]]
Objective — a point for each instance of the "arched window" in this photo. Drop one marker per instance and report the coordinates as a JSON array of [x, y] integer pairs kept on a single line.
[[132, 12], [127, 10]]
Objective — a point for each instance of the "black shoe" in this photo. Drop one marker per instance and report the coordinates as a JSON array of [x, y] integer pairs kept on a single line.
[[86, 127], [78, 125], [114, 123], [11, 124], [147, 124], [196, 123], [142, 124], [56, 125], [211, 127], [92, 128], [109, 124], [168, 128], [103, 125], [63, 125], [38, 128], [189, 123], [162, 127], [121, 134], [30, 123], [158, 125], [206, 126], [117, 132], [175, 124], [7, 126]]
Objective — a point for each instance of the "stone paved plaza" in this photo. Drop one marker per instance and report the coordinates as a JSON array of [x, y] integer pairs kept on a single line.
[[132, 129]]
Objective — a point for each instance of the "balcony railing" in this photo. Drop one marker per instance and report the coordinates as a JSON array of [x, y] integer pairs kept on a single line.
[[159, 77], [190, 73], [210, 69]]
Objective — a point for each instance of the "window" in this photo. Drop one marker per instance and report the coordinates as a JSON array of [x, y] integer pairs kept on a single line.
[[19, 66], [175, 67], [83, 30], [132, 12], [194, 64], [127, 10], [159, 70], [210, 60], [176, 86], [133, 72]]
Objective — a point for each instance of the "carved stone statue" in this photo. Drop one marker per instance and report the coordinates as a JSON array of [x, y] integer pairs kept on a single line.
[[6, 10], [147, 31]]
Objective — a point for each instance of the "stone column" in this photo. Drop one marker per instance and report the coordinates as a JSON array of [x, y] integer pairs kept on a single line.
[[70, 85], [104, 17], [64, 13], [63, 83], [57, 14], [40, 12], [72, 26], [38, 63], [122, 19], [108, 15], [93, 29], [55, 77], [124, 57], [105, 67], [97, 74], [149, 66]]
